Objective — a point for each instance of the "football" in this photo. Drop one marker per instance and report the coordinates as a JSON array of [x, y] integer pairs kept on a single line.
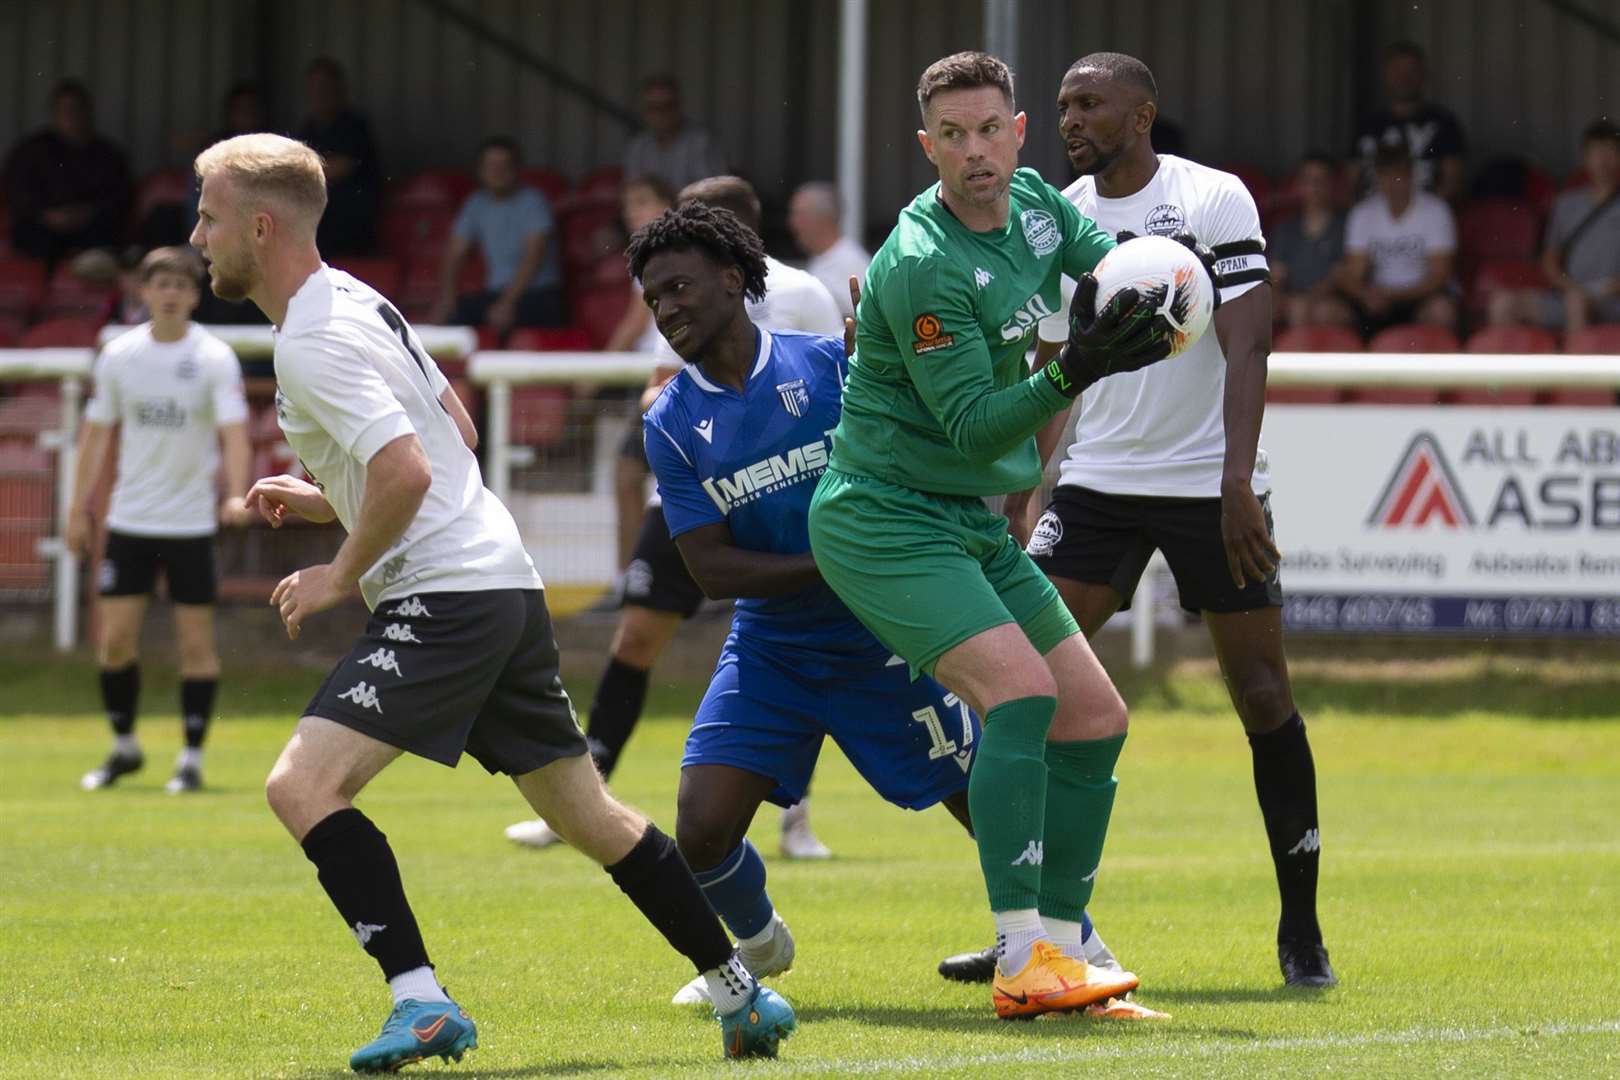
[[1157, 266]]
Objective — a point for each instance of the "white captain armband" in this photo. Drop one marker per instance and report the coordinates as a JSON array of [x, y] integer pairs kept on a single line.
[[1241, 262]]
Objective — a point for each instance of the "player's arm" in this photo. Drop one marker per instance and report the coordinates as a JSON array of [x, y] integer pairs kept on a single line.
[[458, 412], [656, 383], [236, 455], [503, 312], [725, 571], [94, 439], [450, 276]]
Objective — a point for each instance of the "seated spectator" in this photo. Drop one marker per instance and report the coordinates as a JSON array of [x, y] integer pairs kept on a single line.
[[342, 137], [670, 146], [1581, 256], [642, 199], [1304, 251], [1431, 131], [68, 187], [1399, 245], [512, 226], [813, 218]]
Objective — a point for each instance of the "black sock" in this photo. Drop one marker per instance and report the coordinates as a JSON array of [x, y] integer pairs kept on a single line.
[[120, 688], [356, 867], [614, 712], [658, 881], [1285, 781], [197, 708]]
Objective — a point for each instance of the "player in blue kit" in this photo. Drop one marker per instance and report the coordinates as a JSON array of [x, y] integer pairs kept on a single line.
[[737, 441]]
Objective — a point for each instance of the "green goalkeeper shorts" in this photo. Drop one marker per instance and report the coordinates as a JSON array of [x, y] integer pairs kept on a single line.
[[925, 572]]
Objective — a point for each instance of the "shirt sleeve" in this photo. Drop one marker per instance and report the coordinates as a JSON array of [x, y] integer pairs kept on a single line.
[[1358, 230], [105, 406], [1230, 225], [1440, 229], [230, 402], [343, 393], [944, 351], [1085, 243], [818, 310], [686, 505], [536, 215], [466, 223]]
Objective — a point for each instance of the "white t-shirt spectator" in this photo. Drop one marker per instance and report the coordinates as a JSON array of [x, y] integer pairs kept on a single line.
[[351, 377], [834, 267], [171, 398], [1398, 249]]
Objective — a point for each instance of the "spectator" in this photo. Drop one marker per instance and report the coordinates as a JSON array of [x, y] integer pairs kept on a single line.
[[670, 146], [1431, 131], [342, 137], [1304, 251], [69, 188], [1399, 243], [512, 226], [642, 199], [243, 113], [1581, 256], [813, 218]]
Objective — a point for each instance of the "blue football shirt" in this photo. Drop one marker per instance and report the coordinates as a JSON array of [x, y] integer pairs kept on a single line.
[[752, 460]]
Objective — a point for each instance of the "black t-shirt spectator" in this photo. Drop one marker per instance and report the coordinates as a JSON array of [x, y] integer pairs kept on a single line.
[[1432, 132], [353, 203], [48, 172]]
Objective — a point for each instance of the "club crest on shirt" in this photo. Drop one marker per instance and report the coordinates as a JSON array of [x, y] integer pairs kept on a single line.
[[1047, 532], [187, 369], [1041, 232], [1166, 219], [795, 396]]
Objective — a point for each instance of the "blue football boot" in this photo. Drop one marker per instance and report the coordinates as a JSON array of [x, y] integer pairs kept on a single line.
[[756, 1029], [417, 1030]]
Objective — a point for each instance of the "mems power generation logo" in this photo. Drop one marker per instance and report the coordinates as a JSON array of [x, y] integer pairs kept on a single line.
[[1421, 490]]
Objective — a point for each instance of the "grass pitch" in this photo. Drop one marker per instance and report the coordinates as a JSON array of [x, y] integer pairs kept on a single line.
[[1471, 898]]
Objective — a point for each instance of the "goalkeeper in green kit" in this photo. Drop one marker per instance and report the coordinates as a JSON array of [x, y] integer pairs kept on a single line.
[[940, 410]]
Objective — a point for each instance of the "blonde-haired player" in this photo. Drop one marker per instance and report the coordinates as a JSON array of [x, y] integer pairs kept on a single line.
[[459, 654], [176, 392]]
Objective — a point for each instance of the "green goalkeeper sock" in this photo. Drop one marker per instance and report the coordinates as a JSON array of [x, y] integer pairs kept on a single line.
[[1079, 799], [1007, 798]]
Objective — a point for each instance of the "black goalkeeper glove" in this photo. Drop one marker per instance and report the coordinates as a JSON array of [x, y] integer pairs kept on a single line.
[[1206, 257], [1127, 335]]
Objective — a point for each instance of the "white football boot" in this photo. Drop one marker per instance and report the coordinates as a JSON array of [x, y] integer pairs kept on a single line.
[[798, 842], [533, 833]]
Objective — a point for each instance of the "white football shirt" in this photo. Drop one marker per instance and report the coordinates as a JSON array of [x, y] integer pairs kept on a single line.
[[1161, 431], [1398, 248], [834, 267], [171, 398], [351, 377]]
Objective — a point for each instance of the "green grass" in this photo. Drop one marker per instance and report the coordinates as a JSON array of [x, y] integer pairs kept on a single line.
[[1471, 884]]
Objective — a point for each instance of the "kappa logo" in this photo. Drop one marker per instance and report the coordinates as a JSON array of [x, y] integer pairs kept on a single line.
[[401, 632], [383, 659], [795, 396], [1166, 219], [392, 569], [1041, 232], [281, 407], [364, 695], [1033, 854], [1422, 489], [982, 277], [412, 609], [1045, 536], [705, 429], [365, 931], [1308, 844], [1093, 875]]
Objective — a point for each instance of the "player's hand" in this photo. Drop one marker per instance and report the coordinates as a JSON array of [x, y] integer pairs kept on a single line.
[[275, 497], [80, 527], [233, 512], [1251, 554], [849, 321], [1126, 335], [306, 592], [1205, 257]]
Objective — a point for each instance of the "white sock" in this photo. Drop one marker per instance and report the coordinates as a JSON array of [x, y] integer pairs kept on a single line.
[[190, 758], [796, 816], [1066, 935], [730, 986], [417, 984], [126, 746], [1016, 932], [763, 937]]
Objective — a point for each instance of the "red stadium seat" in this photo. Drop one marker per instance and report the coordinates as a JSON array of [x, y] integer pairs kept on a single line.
[[537, 339], [604, 181], [1497, 229], [416, 233], [22, 285], [66, 332], [540, 414], [165, 187], [553, 183], [598, 311], [419, 286], [1317, 339], [1414, 338], [433, 189], [606, 272], [11, 329], [68, 295], [590, 233], [1513, 339], [381, 274], [1258, 183], [1602, 340]]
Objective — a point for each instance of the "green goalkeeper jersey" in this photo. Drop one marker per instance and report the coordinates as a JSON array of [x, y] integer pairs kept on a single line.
[[939, 396]]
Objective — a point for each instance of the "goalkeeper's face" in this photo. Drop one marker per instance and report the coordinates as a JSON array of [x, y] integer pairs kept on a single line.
[[973, 137]]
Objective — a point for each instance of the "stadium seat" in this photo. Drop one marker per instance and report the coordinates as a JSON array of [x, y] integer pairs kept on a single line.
[[1258, 183], [11, 329], [433, 189], [598, 311], [1414, 338], [65, 332], [416, 233], [1602, 340], [1497, 229], [418, 289], [381, 274], [1317, 339], [540, 414], [165, 187], [590, 233], [606, 272], [67, 294], [1499, 274], [553, 183], [604, 181], [22, 285], [537, 339], [1513, 339]]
